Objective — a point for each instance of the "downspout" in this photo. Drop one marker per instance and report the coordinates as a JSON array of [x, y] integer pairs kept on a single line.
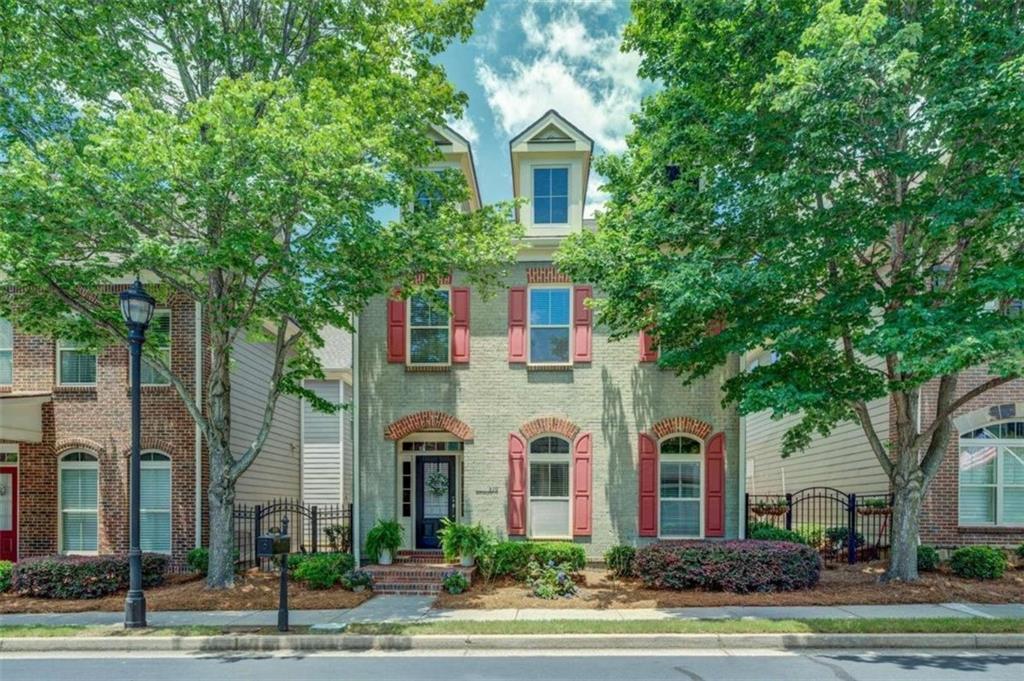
[[355, 440], [198, 441], [742, 486]]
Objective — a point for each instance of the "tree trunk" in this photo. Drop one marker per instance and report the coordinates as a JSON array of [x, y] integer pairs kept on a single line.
[[221, 572], [908, 491]]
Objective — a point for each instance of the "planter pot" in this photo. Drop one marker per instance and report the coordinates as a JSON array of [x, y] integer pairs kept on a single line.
[[468, 561], [769, 511], [384, 558], [359, 589], [874, 511]]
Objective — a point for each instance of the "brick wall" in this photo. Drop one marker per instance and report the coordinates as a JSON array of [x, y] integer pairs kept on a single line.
[[97, 419], [614, 398]]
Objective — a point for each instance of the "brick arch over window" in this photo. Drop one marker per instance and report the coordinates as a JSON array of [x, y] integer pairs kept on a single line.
[[986, 415], [151, 444], [71, 444], [682, 425], [550, 424], [427, 420]]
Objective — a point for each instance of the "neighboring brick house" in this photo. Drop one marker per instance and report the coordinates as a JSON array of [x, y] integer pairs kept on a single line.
[[518, 412], [64, 442]]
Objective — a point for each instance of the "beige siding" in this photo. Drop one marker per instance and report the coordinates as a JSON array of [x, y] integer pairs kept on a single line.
[[275, 472], [842, 460], [322, 436]]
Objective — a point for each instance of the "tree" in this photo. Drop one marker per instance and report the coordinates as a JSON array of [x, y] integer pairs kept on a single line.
[[243, 154], [844, 189]]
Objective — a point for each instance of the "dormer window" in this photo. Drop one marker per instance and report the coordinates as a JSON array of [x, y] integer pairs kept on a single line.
[[550, 196]]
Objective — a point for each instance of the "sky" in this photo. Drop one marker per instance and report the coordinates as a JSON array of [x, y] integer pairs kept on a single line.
[[528, 56]]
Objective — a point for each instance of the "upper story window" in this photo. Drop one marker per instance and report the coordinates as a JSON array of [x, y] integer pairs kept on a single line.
[[159, 337], [992, 475], [549, 487], [550, 324], [78, 485], [6, 352], [75, 366], [680, 487], [550, 196], [429, 330]]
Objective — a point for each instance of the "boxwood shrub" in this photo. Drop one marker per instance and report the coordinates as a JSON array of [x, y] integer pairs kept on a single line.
[[84, 576], [739, 566], [513, 557], [927, 558], [769, 532], [320, 570], [978, 562]]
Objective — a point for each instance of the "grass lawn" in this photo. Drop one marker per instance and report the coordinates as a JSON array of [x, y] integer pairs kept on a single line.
[[945, 625]]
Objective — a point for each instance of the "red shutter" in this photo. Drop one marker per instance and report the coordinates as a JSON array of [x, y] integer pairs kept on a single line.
[[396, 330], [648, 475], [582, 493], [714, 487], [517, 324], [582, 317], [516, 485], [648, 350], [460, 325]]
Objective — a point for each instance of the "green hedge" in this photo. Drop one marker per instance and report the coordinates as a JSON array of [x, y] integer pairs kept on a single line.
[[6, 568], [512, 557], [84, 576], [320, 570], [978, 562], [768, 532]]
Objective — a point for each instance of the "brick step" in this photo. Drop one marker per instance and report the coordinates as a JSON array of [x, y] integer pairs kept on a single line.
[[429, 572], [429, 557], [408, 590]]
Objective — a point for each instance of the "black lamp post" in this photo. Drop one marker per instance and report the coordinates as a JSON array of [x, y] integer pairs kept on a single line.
[[137, 308]]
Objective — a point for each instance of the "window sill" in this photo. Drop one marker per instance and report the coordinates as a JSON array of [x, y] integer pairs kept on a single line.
[[991, 529], [91, 388], [427, 368], [549, 367]]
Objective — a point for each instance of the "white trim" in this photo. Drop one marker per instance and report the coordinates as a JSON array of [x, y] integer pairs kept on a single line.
[[401, 456], [197, 440], [1001, 447], [408, 332], [162, 311], [534, 167], [529, 325], [356, 537], [547, 457], [61, 347], [79, 465], [161, 465], [9, 349], [701, 458], [741, 488]]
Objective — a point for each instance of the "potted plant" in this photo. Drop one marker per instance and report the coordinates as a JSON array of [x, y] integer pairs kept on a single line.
[[357, 580], [463, 541], [874, 506], [770, 507], [383, 540]]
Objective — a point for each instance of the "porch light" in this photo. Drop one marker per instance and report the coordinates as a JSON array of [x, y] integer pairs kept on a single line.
[[137, 306]]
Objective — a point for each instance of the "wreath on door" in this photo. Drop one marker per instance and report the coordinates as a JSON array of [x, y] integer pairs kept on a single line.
[[437, 483]]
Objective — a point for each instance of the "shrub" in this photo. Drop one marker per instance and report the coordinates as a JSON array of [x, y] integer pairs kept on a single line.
[[6, 568], [811, 534], [198, 560], [83, 576], [356, 578], [1020, 551], [337, 536], [550, 580], [463, 539], [978, 562], [738, 566], [386, 535], [837, 536], [513, 557], [321, 570], [455, 582], [619, 560], [769, 532], [927, 559], [346, 561]]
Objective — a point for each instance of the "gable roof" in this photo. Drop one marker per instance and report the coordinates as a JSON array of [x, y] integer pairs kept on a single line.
[[552, 127], [451, 142]]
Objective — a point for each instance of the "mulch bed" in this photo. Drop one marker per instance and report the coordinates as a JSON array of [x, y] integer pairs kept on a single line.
[[253, 591], [846, 585]]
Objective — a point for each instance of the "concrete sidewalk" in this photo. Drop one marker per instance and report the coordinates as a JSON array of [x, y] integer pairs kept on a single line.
[[418, 609]]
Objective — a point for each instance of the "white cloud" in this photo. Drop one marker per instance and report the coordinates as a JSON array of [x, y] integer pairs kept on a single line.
[[465, 127]]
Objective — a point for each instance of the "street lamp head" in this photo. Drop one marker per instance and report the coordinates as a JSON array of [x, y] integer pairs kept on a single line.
[[137, 306]]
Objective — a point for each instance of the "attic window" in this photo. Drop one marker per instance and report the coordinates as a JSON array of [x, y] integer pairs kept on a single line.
[[550, 196]]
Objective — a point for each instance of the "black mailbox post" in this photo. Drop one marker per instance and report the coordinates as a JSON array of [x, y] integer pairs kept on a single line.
[[278, 544]]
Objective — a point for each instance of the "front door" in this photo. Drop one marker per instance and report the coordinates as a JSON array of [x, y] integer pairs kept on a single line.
[[9, 513], [435, 497]]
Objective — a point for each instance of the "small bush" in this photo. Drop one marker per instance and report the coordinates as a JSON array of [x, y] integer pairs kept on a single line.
[[978, 562], [739, 566], [321, 570], [513, 557], [455, 582], [1020, 551], [550, 580], [768, 532], [346, 560], [619, 560], [811, 534], [6, 568], [463, 539], [84, 576], [837, 536], [356, 578], [927, 559], [198, 560]]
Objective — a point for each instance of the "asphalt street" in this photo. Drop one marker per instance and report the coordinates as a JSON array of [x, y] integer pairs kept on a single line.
[[699, 665]]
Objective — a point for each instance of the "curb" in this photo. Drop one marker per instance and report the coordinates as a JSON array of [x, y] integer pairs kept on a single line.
[[351, 642]]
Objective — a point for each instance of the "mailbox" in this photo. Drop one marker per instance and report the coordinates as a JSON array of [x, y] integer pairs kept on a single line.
[[273, 544]]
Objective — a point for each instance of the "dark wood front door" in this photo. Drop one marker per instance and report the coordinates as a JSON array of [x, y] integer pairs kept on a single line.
[[435, 497], [9, 513]]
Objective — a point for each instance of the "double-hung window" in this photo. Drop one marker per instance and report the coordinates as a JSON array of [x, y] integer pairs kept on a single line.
[[550, 196], [550, 325], [549, 488], [155, 503], [429, 330], [6, 352], [679, 471], [79, 502], [992, 475], [75, 366], [158, 336]]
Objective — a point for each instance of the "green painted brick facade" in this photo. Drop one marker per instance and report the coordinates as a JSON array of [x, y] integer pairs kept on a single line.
[[614, 398]]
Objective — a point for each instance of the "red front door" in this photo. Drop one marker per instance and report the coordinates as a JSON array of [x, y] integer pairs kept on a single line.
[[9, 513]]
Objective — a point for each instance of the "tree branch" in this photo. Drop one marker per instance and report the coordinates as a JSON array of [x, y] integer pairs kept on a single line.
[[946, 413]]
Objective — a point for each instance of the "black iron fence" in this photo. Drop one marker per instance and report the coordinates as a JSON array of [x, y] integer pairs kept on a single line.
[[312, 528], [844, 528]]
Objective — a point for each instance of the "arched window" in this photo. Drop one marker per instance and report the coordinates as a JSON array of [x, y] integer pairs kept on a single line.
[[992, 475], [549, 512], [680, 475], [78, 494], [155, 503]]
